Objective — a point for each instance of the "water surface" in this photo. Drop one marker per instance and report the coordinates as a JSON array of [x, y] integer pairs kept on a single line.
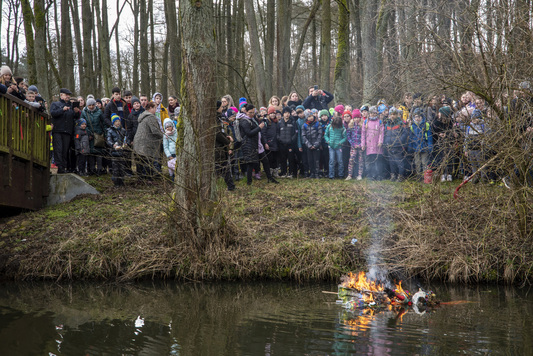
[[253, 319]]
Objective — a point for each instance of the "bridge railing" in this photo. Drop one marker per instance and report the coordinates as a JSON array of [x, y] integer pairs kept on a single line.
[[23, 131]]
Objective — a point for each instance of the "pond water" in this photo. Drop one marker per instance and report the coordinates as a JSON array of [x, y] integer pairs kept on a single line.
[[253, 319]]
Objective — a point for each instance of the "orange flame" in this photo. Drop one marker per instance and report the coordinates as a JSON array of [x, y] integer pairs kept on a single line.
[[361, 282]]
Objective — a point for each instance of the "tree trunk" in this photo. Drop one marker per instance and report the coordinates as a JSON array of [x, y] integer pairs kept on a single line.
[[40, 51], [66, 55], [368, 35], [27, 15], [342, 64], [325, 46], [135, 84], [284, 45], [174, 46], [198, 216], [270, 36], [314, 54], [79, 48], [103, 42], [301, 41], [117, 43], [239, 43], [145, 65], [88, 65], [356, 28], [153, 73], [257, 57], [163, 86]]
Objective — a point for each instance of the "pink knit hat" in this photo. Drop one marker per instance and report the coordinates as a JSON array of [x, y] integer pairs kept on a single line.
[[339, 108], [356, 113]]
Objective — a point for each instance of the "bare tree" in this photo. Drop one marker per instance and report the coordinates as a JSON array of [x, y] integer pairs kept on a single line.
[[257, 58], [325, 45], [342, 64]]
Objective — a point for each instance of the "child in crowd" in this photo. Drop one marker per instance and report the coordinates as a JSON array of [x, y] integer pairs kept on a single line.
[[81, 144], [353, 135], [301, 154], [169, 146], [335, 137], [372, 142], [269, 133], [474, 135], [116, 141], [346, 148], [324, 149], [395, 139], [287, 136], [420, 142], [443, 143], [312, 138], [30, 99]]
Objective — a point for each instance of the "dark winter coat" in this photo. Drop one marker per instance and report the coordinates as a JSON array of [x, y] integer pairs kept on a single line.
[[294, 104], [112, 108], [318, 102], [312, 134], [117, 136], [250, 130], [81, 141], [148, 138], [222, 143], [288, 133], [420, 137], [63, 121], [132, 122], [439, 126], [395, 136], [270, 134]]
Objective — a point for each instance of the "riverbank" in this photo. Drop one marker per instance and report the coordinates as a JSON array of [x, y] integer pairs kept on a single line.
[[299, 229]]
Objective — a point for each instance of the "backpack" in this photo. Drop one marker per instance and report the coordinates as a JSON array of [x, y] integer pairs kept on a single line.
[[237, 128], [425, 130]]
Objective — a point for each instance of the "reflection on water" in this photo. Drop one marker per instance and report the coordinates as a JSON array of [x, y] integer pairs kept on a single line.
[[253, 319]]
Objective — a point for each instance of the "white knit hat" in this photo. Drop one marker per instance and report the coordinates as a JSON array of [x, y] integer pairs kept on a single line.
[[5, 70]]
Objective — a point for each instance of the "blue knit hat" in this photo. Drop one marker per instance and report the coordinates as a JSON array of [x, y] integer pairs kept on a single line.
[[114, 118]]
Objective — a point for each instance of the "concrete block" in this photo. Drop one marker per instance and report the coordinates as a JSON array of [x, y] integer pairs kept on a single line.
[[65, 187]]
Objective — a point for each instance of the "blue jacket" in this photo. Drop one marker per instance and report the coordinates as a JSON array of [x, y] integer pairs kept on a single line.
[[421, 139], [396, 136]]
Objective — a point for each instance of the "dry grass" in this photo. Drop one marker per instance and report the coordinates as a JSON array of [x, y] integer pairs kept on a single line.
[[300, 229]]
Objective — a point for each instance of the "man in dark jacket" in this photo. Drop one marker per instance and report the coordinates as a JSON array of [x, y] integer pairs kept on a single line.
[[318, 99], [63, 119], [287, 135]]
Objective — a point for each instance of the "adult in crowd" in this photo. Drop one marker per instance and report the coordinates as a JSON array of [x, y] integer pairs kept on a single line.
[[96, 129], [63, 119], [147, 140], [119, 106], [318, 99]]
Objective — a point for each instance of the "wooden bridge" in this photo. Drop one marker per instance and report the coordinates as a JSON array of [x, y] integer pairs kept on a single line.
[[24, 155]]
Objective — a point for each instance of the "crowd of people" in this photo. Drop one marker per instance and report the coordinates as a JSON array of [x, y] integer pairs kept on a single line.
[[291, 137]]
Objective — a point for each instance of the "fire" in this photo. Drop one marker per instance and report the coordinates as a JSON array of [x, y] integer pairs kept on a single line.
[[361, 282]]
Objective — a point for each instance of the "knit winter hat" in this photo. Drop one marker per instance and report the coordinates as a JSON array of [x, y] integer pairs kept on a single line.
[[91, 101], [243, 99], [446, 111], [356, 113], [339, 108], [133, 100], [6, 70], [230, 112], [234, 109], [373, 110], [323, 112], [365, 107], [81, 122], [271, 109], [114, 118], [417, 111], [331, 112], [346, 112], [382, 108], [33, 88], [300, 107], [314, 111], [241, 104]]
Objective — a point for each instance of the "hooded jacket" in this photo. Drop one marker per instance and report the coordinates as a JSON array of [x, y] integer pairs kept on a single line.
[[395, 135], [148, 137], [421, 139], [169, 141], [312, 134], [81, 141], [250, 130], [270, 133], [335, 137], [288, 133], [372, 136], [161, 111]]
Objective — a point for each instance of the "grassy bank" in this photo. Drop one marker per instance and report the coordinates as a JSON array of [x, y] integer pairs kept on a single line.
[[300, 229]]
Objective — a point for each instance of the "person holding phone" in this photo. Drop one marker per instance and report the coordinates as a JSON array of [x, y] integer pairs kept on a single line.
[[63, 119], [318, 99]]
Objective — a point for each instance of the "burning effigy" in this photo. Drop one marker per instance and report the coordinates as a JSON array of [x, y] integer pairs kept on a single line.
[[357, 291]]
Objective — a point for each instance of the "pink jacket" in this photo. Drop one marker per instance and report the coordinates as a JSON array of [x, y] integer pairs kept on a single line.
[[372, 136]]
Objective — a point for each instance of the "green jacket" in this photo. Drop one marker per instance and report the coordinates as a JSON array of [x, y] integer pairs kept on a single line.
[[335, 137]]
